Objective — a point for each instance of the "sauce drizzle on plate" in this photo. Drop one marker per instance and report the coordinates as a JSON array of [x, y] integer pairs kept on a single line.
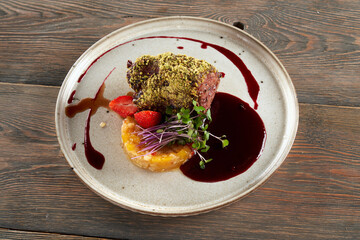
[[233, 117], [94, 157]]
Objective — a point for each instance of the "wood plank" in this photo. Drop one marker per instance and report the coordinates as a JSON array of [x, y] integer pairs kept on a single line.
[[15, 234], [319, 43], [314, 195]]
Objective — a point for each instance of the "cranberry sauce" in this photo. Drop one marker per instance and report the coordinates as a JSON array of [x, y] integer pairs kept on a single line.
[[71, 98], [245, 131], [252, 85], [95, 158]]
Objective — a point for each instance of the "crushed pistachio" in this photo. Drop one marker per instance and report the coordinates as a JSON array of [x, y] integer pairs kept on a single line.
[[167, 80]]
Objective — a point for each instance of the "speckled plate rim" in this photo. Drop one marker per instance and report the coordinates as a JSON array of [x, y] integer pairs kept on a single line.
[[87, 180]]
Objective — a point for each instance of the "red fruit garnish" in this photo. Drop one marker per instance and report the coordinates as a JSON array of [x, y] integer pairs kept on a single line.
[[147, 119], [124, 106]]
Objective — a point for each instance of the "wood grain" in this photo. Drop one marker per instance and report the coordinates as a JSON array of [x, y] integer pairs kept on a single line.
[[318, 42], [7, 234], [314, 195]]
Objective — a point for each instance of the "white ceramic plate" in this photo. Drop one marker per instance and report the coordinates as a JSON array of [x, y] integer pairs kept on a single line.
[[172, 193]]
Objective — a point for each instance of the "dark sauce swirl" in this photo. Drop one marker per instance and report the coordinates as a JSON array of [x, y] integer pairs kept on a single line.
[[94, 157]]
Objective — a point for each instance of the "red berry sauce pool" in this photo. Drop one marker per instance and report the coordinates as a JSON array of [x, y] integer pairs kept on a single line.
[[245, 131]]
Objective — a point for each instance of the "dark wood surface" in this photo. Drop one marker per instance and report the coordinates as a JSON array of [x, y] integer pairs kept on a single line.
[[315, 194], [7, 234]]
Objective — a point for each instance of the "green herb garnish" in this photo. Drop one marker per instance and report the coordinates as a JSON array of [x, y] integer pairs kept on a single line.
[[183, 127]]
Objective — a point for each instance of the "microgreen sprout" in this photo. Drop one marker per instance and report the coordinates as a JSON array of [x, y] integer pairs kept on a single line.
[[183, 127]]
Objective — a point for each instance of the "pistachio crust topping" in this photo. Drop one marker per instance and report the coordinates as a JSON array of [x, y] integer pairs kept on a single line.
[[167, 80]]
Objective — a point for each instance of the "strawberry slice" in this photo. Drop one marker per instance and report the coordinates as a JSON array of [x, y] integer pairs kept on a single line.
[[147, 119], [124, 106]]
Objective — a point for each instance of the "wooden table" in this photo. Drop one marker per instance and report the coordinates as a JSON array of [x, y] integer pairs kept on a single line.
[[313, 195]]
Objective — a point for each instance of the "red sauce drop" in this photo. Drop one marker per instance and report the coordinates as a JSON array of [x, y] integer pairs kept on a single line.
[[71, 98], [245, 131], [222, 74], [203, 45], [180, 47], [73, 147]]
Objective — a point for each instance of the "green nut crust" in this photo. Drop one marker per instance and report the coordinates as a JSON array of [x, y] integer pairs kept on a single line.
[[167, 80]]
